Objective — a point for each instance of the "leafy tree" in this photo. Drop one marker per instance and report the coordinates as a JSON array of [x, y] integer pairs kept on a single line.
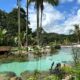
[[77, 32], [2, 36], [10, 23]]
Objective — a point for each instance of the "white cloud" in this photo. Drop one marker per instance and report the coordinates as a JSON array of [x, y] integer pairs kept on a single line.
[[69, 23], [50, 16], [54, 20], [78, 1], [63, 1], [66, 26]]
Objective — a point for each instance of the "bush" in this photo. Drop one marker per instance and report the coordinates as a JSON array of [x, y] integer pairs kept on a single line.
[[52, 77], [67, 69]]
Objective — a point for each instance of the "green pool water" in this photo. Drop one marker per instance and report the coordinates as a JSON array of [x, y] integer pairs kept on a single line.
[[42, 64]]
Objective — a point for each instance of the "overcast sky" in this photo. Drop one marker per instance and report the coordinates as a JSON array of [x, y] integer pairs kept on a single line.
[[58, 19]]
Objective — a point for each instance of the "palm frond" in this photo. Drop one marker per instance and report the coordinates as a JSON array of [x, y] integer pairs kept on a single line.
[[53, 2]]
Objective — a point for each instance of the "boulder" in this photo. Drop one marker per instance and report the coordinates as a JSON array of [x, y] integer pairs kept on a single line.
[[15, 78], [6, 75]]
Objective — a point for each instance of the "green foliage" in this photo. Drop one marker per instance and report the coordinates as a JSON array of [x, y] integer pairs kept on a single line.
[[9, 22], [77, 32], [32, 78], [67, 69], [3, 36], [54, 38], [74, 71], [36, 72], [52, 77]]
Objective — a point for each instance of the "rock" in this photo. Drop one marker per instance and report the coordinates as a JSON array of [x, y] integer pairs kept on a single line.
[[65, 65], [1, 77], [6, 75], [57, 47], [11, 74], [15, 78], [68, 77]]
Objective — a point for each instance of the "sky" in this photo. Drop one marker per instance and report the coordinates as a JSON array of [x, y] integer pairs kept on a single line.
[[59, 19]]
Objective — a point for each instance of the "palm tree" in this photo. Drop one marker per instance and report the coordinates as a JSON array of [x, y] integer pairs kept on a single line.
[[39, 6], [40, 29], [19, 41], [77, 31], [27, 24]]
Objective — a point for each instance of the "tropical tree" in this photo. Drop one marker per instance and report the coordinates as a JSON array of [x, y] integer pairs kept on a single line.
[[27, 25], [2, 36], [77, 31], [19, 41], [3, 15], [19, 26], [39, 6]]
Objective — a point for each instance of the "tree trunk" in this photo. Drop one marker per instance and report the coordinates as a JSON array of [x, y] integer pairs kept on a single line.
[[41, 29], [27, 25], [19, 41], [38, 25]]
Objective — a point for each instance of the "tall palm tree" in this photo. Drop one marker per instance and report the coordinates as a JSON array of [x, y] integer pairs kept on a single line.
[[19, 41], [40, 30], [52, 2], [39, 5], [77, 31], [27, 24]]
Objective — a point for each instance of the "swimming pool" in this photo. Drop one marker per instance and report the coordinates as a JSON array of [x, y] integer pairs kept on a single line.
[[41, 64]]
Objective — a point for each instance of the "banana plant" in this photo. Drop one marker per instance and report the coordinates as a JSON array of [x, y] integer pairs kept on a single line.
[[2, 35]]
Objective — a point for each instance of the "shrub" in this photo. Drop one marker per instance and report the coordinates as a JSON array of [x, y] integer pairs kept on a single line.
[[52, 77]]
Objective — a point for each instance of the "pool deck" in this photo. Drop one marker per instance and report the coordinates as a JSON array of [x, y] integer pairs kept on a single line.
[[69, 46]]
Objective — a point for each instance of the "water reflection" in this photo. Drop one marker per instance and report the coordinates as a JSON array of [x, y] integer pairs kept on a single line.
[[38, 55]]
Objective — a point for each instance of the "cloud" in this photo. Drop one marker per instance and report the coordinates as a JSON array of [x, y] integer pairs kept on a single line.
[[50, 16], [74, 19], [54, 20], [63, 1], [68, 24]]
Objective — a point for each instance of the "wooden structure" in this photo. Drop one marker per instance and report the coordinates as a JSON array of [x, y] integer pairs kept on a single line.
[[5, 49]]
